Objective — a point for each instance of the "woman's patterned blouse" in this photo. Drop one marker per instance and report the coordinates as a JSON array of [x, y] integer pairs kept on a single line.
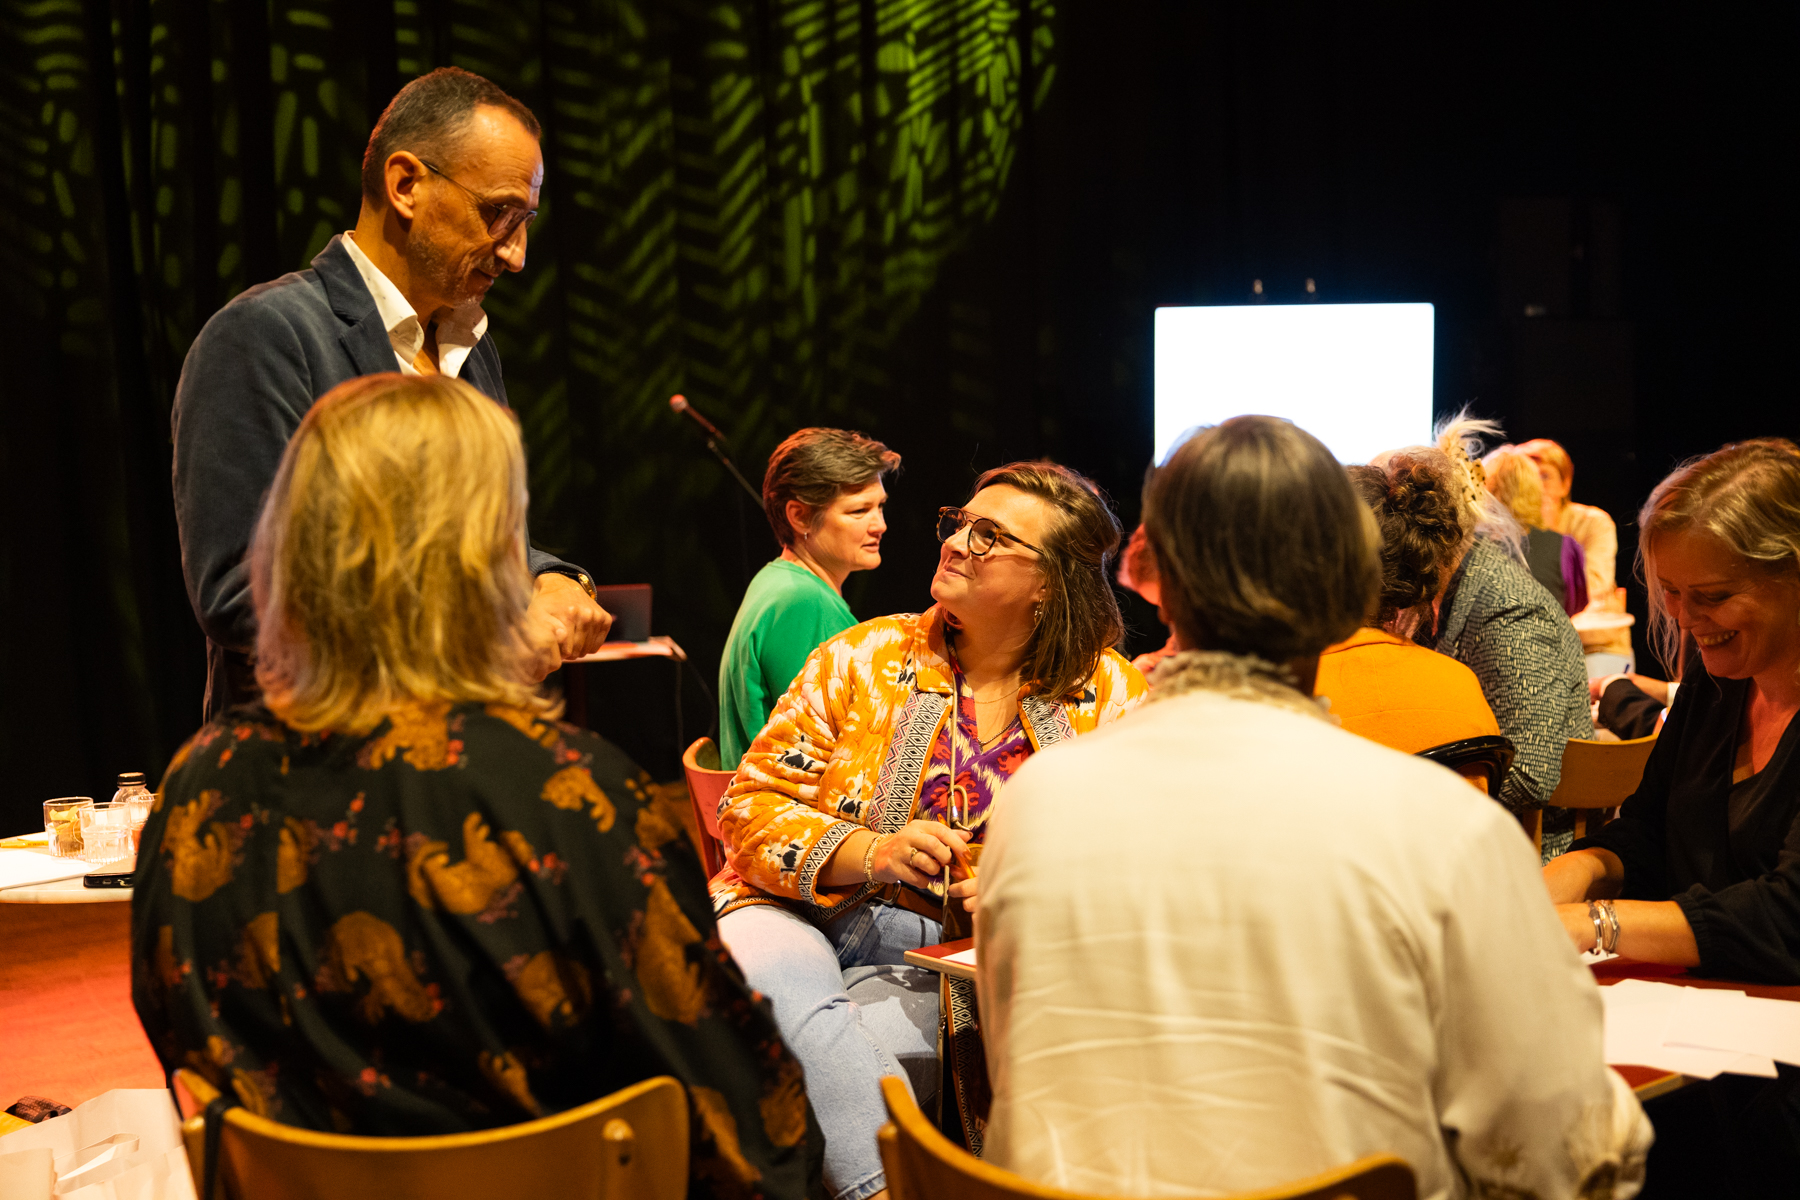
[[981, 771], [847, 748], [465, 919]]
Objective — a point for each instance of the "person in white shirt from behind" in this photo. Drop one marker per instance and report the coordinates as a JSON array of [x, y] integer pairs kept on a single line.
[[1293, 947]]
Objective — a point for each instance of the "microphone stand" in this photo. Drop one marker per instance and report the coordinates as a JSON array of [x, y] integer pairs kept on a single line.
[[718, 451], [715, 442]]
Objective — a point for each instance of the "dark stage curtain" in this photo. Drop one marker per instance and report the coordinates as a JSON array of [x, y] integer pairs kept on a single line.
[[945, 222], [745, 202]]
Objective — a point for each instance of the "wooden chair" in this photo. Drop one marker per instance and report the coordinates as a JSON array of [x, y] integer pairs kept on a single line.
[[706, 786], [1597, 777], [1483, 761], [923, 1165], [631, 1145]]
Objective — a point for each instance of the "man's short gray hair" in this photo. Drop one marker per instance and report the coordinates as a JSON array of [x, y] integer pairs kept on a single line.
[[429, 117]]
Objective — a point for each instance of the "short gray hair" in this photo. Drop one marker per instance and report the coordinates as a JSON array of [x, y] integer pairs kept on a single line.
[[1263, 546], [429, 117]]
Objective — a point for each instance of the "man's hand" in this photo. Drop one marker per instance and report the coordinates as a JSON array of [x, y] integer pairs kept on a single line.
[[563, 623]]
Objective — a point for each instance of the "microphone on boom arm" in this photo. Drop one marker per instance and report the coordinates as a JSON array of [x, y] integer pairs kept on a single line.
[[680, 404], [715, 441]]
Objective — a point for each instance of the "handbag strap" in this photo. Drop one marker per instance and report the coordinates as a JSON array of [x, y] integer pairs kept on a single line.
[[215, 1133]]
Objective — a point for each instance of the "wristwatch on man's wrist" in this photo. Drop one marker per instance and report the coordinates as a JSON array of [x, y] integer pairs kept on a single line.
[[579, 576]]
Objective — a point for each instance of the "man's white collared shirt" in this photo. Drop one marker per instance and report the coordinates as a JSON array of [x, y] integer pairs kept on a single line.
[[456, 335]]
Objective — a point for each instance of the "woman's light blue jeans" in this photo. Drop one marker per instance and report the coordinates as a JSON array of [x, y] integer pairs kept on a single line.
[[851, 1011]]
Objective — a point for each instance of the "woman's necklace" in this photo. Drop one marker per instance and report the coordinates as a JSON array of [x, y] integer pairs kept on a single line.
[[1008, 699]]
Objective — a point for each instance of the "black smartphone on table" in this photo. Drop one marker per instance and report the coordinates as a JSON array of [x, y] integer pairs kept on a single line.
[[112, 875]]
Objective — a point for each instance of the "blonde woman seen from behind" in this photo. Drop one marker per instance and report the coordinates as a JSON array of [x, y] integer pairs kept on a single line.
[[397, 897], [1588, 525], [1555, 561]]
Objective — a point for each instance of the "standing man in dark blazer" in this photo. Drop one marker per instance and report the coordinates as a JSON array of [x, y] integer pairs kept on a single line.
[[450, 185]]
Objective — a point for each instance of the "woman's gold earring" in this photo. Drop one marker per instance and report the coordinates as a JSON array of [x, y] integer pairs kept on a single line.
[[1037, 615]]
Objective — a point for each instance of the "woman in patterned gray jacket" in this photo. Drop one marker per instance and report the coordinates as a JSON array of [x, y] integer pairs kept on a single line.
[[1498, 621]]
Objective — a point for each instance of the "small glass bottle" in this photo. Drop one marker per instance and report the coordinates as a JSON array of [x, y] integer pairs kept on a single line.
[[138, 799]]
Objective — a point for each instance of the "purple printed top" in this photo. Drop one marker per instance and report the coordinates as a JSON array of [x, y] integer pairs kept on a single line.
[[979, 772]]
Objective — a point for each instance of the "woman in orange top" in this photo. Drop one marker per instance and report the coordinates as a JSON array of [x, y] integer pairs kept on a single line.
[[1383, 685], [879, 768]]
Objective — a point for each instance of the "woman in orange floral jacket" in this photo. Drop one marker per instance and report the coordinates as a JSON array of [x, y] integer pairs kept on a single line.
[[397, 898], [868, 786]]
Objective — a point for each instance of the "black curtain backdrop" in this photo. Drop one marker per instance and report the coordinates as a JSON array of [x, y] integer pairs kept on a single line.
[[947, 224]]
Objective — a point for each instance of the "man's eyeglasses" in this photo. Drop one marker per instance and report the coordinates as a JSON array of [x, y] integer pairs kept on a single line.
[[983, 533], [502, 219]]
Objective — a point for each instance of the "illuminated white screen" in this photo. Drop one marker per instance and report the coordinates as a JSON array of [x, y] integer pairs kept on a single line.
[[1355, 376]]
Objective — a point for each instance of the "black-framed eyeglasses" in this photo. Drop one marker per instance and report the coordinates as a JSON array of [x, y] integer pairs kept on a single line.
[[502, 219], [983, 533]]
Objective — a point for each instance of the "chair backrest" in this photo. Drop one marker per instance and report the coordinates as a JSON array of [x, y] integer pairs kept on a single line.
[[1483, 760], [706, 787], [1600, 775], [922, 1165], [631, 1145]]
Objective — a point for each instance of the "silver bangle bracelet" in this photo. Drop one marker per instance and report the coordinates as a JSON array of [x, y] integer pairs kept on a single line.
[[1599, 925], [1612, 926]]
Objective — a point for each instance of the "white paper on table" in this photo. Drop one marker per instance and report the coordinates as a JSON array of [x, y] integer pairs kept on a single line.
[[965, 958], [1637, 1016], [103, 1129], [1596, 955], [1726, 1020], [19, 868]]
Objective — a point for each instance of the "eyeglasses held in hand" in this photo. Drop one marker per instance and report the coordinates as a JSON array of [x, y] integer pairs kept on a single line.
[[983, 533], [502, 219]]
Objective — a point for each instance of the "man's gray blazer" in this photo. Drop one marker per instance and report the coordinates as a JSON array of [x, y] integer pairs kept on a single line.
[[255, 369]]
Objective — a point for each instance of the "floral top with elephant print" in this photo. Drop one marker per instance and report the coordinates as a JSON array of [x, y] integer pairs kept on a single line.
[[850, 747], [468, 918]]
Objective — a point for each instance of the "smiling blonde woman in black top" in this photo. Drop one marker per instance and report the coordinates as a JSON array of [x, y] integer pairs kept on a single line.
[[1706, 854]]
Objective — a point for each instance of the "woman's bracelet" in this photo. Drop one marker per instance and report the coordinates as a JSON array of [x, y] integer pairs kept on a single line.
[[1606, 925], [869, 858]]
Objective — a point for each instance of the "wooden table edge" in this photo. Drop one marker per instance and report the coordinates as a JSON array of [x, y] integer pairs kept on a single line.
[[933, 958]]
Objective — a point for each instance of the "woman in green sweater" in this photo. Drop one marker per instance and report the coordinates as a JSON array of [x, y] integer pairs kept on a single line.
[[824, 498]]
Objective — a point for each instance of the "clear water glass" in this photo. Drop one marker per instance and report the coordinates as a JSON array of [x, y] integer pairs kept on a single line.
[[106, 832], [62, 824]]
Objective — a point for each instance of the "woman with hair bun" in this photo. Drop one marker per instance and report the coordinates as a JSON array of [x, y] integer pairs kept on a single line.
[[1489, 614], [1381, 683]]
